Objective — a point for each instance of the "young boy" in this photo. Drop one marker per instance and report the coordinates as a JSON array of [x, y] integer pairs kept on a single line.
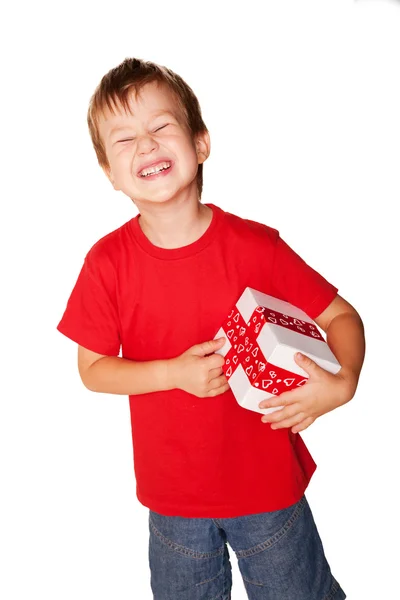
[[159, 287]]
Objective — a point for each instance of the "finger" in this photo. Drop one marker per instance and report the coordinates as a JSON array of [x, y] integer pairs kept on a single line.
[[219, 390], [289, 422], [309, 365], [285, 398], [217, 382], [214, 361], [284, 413], [208, 347], [213, 373], [303, 425]]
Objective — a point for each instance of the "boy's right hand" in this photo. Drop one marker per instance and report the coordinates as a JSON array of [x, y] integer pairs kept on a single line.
[[197, 373]]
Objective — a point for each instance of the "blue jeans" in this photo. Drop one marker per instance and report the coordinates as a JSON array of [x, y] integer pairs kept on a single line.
[[280, 557]]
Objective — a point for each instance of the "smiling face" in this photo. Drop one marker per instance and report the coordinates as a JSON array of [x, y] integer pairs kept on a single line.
[[154, 135]]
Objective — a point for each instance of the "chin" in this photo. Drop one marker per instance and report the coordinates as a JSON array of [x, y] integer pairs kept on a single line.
[[143, 201]]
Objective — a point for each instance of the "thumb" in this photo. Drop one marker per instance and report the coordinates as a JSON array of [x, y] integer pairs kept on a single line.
[[306, 363], [209, 347]]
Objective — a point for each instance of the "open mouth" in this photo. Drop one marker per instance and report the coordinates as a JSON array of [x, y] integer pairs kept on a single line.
[[156, 173]]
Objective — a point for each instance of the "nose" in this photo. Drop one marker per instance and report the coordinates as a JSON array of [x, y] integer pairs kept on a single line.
[[146, 144]]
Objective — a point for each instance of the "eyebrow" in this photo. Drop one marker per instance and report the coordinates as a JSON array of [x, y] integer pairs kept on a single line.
[[154, 114]]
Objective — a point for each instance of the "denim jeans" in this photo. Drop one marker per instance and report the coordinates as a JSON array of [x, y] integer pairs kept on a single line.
[[280, 557]]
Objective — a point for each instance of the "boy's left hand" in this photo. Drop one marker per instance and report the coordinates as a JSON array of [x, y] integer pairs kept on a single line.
[[322, 393]]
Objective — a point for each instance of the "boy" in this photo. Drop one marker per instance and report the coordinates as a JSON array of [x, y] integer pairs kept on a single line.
[[159, 287]]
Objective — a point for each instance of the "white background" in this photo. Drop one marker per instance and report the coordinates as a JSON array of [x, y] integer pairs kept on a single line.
[[301, 99]]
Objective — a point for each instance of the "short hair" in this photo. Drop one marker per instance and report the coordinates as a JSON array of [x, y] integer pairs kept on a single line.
[[130, 76]]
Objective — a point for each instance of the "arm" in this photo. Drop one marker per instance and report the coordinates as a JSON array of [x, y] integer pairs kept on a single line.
[[116, 375], [294, 280], [324, 391], [197, 371], [345, 336]]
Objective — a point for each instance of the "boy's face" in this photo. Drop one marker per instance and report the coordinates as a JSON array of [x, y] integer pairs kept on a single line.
[[155, 133]]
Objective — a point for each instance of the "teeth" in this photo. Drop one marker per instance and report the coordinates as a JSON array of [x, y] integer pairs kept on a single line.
[[152, 170]]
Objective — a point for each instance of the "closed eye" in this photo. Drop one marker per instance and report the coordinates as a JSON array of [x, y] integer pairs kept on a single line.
[[130, 139]]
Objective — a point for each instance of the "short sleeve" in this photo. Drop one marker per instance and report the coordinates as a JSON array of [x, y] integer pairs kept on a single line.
[[91, 315], [294, 281]]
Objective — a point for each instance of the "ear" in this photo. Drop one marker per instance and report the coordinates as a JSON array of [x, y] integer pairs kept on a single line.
[[203, 146], [110, 176]]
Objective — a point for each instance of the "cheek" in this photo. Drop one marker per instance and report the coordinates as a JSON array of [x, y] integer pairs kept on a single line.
[[122, 160], [180, 143], [190, 153]]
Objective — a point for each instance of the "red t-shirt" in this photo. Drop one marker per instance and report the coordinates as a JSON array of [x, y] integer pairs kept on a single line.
[[195, 457]]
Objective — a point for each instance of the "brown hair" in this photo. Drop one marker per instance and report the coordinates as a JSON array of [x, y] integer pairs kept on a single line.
[[130, 76]]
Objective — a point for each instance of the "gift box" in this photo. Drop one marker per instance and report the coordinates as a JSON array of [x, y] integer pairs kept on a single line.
[[262, 335]]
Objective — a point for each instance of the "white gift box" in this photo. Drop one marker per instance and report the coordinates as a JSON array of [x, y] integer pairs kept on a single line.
[[262, 335]]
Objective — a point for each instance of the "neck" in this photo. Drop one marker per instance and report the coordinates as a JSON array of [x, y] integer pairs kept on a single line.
[[175, 226]]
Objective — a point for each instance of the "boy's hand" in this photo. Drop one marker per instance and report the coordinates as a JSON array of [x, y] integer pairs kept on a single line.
[[322, 393], [197, 373]]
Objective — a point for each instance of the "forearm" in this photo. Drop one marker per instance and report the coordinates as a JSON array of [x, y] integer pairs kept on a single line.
[[116, 375], [345, 337]]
